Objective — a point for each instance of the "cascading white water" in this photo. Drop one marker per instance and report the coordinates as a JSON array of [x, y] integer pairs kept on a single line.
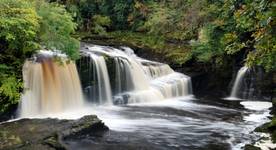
[[103, 79], [134, 79], [155, 71], [50, 86], [238, 82]]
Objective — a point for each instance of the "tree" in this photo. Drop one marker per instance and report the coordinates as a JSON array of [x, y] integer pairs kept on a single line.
[[56, 27], [100, 23], [26, 26], [19, 25], [243, 26]]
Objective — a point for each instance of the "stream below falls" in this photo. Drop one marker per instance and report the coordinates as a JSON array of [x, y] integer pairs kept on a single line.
[[146, 104], [180, 123]]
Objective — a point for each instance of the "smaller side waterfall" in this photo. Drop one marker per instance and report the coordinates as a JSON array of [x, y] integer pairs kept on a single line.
[[238, 83], [251, 84], [50, 86]]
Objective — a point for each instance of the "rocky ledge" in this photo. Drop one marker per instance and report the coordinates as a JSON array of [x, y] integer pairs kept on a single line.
[[33, 134]]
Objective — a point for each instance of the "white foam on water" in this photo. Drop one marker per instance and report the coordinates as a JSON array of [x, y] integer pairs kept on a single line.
[[52, 53], [233, 99], [266, 144], [255, 119], [139, 80], [256, 105]]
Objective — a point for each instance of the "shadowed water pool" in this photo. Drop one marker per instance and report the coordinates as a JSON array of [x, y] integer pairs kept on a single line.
[[182, 123], [152, 107]]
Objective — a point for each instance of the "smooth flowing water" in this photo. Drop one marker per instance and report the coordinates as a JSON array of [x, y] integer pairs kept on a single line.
[[50, 86], [237, 86], [146, 104], [180, 123], [128, 79]]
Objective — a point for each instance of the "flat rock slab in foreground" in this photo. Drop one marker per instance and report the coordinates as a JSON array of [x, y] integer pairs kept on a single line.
[[33, 134]]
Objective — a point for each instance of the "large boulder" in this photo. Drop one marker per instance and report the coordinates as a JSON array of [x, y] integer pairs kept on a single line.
[[46, 133]]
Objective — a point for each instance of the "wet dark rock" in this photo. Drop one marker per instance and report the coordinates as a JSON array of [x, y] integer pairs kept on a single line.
[[251, 147], [54, 142], [110, 140], [9, 114], [273, 108], [270, 128], [121, 99], [46, 133]]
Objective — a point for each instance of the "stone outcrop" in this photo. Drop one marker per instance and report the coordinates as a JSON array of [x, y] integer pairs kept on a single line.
[[33, 134]]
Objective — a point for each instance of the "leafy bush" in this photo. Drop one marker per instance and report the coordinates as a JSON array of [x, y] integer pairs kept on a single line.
[[19, 25], [56, 27], [241, 26], [9, 91], [26, 26], [100, 23], [208, 46]]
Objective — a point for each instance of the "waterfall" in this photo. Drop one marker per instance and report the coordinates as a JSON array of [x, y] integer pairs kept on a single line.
[[108, 76], [238, 83], [50, 86], [126, 78], [99, 89]]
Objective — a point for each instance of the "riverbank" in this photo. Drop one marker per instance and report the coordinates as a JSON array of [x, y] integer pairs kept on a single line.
[[33, 134], [197, 78], [268, 133]]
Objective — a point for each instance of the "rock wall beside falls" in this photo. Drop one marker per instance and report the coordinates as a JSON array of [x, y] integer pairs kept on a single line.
[[255, 84]]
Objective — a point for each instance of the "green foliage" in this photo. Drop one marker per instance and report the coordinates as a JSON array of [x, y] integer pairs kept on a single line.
[[26, 26], [151, 41], [102, 20], [121, 10], [175, 54], [230, 27], [100, 24], [179, 19], [10, 87], [264, 36], [209, 45], [19, 25], [85, 10], [159, 21], [209, 31], [56, 28], [243, 26], [9, 90], [179, 56]]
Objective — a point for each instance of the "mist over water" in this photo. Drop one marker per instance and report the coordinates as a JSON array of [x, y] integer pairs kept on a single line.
[[132, 79], [145, 101], [50, 86]]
